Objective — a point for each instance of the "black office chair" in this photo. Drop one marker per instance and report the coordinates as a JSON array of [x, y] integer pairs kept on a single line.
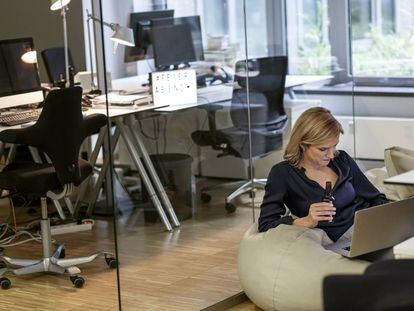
[[385, 286], [267, 118], [58, 133], [54, 60]]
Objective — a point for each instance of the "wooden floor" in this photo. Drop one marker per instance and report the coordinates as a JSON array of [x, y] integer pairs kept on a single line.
[[190, 268], [245, 306]]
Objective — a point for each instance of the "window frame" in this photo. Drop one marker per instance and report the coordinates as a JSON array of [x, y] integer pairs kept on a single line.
[[340, 28], [341, 46]]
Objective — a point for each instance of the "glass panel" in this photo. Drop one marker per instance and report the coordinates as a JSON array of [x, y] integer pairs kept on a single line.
[[382, 116], [47, 82], [382, 44], [310, 53], [308, 38], [175, 163]]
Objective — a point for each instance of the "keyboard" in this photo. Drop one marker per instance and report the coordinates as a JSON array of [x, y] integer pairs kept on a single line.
[[19, 117]]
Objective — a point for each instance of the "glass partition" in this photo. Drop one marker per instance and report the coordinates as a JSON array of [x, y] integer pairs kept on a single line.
[[381, 70], [179, 155], [200, 97], [60, 167]]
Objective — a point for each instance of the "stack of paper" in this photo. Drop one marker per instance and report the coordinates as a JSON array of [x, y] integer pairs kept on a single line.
[[123, 100]]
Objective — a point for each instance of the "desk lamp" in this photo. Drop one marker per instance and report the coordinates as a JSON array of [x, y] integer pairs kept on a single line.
[[29, 57], [62, 5], [122, 35]]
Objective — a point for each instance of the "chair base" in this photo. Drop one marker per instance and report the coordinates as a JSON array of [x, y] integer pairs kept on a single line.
[[255, 183], [51, 262], [54, 264]]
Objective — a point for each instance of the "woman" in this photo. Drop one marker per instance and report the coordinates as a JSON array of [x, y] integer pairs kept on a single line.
[[299, 182]]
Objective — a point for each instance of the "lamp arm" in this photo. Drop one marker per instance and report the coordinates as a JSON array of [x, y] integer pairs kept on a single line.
[[113, 26]]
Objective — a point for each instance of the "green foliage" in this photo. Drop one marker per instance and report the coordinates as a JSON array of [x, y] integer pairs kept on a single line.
[[315, 52], [384, 55]]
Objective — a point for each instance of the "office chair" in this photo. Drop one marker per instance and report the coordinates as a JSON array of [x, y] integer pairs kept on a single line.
[[54, 60], [267, 118], [58, 133], [385, 285]]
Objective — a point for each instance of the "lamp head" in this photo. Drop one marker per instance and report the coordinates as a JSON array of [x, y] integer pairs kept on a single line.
[[122, 35], [29, 57], [58, 4]]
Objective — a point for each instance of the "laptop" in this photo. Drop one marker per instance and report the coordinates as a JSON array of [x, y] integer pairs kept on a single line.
[[378, 227]]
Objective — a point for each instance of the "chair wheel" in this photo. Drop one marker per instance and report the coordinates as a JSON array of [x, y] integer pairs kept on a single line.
[[111, 262], [77, 281], [205, 197], [62, 254], [3, 264], [230, 208], [5, 283]]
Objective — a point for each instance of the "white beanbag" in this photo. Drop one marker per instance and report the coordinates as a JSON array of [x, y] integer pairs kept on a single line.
[[283, 268]]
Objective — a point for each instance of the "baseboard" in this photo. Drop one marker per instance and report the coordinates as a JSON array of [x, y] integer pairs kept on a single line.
[[228, 302]]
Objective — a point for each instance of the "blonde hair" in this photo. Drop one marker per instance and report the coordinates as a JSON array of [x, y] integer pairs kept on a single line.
[[313, 127]]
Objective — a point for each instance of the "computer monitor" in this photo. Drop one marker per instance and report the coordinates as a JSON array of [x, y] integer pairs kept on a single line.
[[19, 81], [140, 23], [194, 22], [173, 45]]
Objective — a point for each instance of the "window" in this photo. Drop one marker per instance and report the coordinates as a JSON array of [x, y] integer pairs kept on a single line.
[[308, 37], [377, 48], [382, 38]]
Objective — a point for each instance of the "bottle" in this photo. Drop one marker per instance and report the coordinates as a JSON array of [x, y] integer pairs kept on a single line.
[[328, 197]]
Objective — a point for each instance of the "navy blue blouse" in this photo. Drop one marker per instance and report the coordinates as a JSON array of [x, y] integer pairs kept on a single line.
[[288, 185]]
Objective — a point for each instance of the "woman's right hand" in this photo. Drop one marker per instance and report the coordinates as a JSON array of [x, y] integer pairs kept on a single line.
[[317, 212]]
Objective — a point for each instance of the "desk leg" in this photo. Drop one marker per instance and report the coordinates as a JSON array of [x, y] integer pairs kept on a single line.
[[160, 188], [12, 154], [127, 136], [92, 160], [102, 174], [2, 145]]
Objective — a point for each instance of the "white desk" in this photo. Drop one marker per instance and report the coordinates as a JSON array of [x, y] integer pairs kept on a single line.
[[124, 121], [135, 82], [406, 178]]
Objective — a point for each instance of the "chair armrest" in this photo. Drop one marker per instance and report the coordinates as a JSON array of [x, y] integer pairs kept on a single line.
[[17, 136], [93, 123], [278, 122]]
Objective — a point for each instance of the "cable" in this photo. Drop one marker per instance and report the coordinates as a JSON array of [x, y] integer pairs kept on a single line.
[[142, 131]]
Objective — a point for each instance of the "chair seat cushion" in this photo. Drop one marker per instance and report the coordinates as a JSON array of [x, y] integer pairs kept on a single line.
[[36, 178]]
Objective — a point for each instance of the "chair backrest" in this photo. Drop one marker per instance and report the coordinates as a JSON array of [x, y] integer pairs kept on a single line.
[[267, 86], [54, 60], [60, 131]]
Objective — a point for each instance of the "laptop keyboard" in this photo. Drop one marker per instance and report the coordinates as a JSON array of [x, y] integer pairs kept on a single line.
[[19, 117]]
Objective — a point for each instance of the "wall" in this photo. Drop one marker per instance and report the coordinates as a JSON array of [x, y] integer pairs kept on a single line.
[[380, 122], [33, 18]]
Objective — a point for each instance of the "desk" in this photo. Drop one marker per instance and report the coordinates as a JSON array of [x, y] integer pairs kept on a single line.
[[296, 80], [206, 96], [124, 121], [134, 82], [406, 178]]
